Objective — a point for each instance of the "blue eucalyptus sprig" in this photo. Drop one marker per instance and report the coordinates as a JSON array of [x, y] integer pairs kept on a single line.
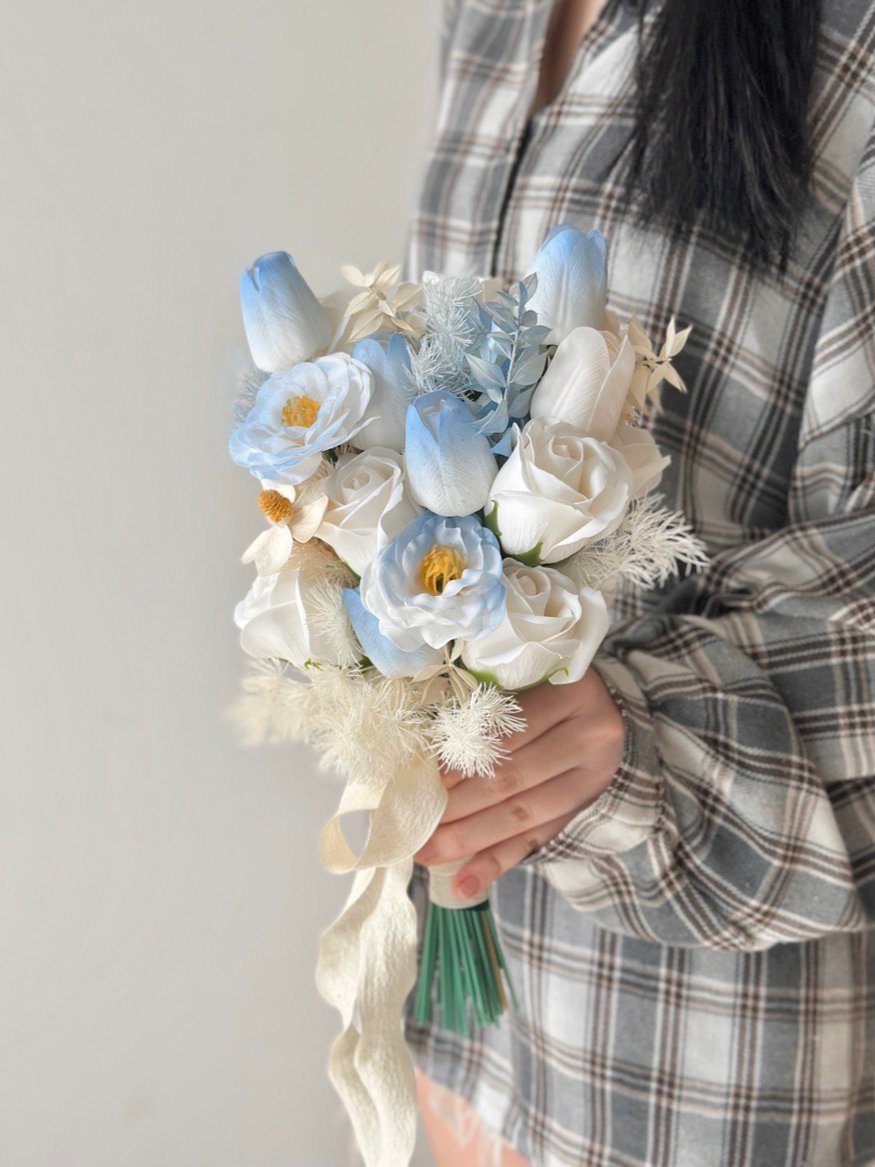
[[506, 362]]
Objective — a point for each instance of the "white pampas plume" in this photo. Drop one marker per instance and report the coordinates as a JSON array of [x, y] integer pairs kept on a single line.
[[280, 702], [327, 614], [274, 707], [325, 576], [363, 724], [360, 723], [468, 735], [646, 550], [318, 564]]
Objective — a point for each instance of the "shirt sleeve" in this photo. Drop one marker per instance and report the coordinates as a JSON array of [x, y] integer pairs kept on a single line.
[[743, 812], [449, 15]]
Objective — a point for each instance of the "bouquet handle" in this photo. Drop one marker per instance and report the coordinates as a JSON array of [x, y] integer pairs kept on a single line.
[[462, 952]]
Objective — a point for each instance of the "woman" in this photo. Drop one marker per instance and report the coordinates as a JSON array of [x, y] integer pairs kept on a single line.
[[686, 839]]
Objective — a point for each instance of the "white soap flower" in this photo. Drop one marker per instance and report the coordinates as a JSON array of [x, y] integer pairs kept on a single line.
[[368, 505], [642, 456], [587, 382], [550, 631], [556, 492], [290, 616]]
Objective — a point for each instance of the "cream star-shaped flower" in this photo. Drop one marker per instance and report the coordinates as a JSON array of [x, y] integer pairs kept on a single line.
[[652, 368], [380, 306], [294, 513]]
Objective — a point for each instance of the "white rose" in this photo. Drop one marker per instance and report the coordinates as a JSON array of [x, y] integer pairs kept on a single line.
[[550, 631], [642, 456], [274, 625], [368, 505], [556, 492], [587, 382]]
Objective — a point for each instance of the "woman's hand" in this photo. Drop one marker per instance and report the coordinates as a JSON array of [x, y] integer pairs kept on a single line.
[[561, 762]]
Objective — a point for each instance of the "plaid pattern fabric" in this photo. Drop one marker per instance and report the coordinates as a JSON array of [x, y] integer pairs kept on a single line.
[[693, 951]]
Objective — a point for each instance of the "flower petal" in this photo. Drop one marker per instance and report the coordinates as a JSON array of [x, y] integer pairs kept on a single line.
[[571, 267], [284, 322], [587, 383], [381, 652], [450, 465]]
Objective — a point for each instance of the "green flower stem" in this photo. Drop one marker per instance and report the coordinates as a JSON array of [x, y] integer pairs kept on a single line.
[[462, 953]]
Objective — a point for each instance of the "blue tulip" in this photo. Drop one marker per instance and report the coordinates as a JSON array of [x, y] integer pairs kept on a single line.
[[381, 652], [449, 463], [571, 267], [394, 389], [285, 323]]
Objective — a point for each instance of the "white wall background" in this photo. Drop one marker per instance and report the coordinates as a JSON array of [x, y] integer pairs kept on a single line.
[[160, 891]]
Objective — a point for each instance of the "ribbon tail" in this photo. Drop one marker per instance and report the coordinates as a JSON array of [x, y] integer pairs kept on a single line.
[[367, 966], [367, 959]]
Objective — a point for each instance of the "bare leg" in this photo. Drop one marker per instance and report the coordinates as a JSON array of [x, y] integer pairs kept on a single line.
[[447, 1147]]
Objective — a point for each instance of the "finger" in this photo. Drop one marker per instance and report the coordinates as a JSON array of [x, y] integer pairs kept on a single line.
[[543, 707], [554, 752], [486, 866], [450, 777], [537, 722], [564, 794]]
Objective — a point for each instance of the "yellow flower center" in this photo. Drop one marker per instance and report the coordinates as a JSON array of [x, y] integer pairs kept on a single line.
[[300, 410], [439, 566], [275, 506]]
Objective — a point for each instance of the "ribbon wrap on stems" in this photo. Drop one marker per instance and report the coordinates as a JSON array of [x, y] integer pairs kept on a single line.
[[367, 956], [440, 878]]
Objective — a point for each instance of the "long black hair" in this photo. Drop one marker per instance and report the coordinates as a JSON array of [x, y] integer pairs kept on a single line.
[[721, 133]]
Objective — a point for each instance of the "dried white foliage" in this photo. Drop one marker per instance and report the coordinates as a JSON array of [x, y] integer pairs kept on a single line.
[[381, 304], [248, 386], [469, 735], [318, 564], [366, 726], [652, 368], [327, 614], [646, 550], [363, 724], [450, 308], [274, 705]]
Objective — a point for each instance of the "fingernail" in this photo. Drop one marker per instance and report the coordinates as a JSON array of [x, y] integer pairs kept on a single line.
[[467, 887]]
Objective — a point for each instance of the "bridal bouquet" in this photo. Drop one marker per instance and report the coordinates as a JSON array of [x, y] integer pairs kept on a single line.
[[454, 475]]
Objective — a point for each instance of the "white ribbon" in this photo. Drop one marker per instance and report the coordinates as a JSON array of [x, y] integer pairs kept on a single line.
[[440, 876], [367, 957]]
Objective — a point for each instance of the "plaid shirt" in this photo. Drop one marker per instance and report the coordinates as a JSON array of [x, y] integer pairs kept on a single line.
[[693, 950]]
